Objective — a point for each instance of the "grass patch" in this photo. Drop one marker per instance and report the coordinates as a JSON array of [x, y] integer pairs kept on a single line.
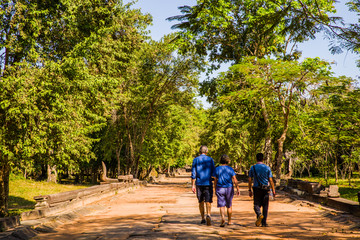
[[22, 192], [346, 190]]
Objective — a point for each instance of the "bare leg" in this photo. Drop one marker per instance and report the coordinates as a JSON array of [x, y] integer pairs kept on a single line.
[[208, 208], [208, 213], [222, 214], [229, 212], [202, 210]]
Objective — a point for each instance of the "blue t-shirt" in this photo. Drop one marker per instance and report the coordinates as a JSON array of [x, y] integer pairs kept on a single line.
[[263, 173], [203, 168], [224, 176]]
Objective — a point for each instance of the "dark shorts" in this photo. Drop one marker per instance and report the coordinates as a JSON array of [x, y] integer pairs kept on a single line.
[[204, 193], [224, 196]]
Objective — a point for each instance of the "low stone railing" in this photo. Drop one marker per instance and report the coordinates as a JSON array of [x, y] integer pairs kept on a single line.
[[53, 204], [315, 192]]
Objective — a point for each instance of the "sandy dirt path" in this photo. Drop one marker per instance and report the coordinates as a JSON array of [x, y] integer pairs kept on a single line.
[[169, 210]]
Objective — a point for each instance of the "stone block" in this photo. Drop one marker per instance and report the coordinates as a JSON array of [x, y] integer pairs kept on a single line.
[[309, 187], [125, 178], [161, 177], [323, 193], [333, 191], [293, 183], [342, 204]]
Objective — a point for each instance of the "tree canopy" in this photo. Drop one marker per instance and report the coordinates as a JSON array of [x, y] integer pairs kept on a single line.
[[83, 82]]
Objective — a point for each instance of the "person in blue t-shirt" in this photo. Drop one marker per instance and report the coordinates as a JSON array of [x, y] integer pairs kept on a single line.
[[262, 176], [225, 178], [202, 171]]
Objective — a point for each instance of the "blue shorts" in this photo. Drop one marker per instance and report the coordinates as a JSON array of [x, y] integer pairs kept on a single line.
[[204, 193], [224, 196]]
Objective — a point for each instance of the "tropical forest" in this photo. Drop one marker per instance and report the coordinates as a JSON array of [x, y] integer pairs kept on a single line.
[[82, 82]]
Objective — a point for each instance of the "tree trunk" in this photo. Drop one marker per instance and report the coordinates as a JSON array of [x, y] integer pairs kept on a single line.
[[291, 169], [136, 173], [267, 147], [118, 151], [94, 176], [51, 173], [148, 171], [336, 171], [4, 184], [279, 159], [349, 175], [128, 163], [280, 152], [309, 172]]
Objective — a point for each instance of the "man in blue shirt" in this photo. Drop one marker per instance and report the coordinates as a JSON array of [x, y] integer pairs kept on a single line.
[[202, 171], [262, 176]]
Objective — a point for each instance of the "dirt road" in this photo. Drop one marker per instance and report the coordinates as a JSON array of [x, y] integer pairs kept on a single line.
[[169, 210]]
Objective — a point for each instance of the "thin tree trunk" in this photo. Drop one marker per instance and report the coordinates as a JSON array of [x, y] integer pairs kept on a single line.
[[136, 173], [336, 171], [281, 140], [291, 169], [4, 184], [280, 152], [267, 147], [326, 167], [131, 144], [118, 151], [349, 175]]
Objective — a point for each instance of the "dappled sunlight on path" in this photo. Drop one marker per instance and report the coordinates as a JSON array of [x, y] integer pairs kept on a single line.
[[169, 210]]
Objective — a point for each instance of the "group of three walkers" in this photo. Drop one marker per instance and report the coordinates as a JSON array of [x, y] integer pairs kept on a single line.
[[203, 171]]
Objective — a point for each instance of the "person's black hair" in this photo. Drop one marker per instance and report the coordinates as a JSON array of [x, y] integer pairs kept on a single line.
[[224, 159], [259, 157]]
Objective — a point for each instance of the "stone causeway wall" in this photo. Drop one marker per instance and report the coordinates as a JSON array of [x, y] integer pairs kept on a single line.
[[58, 203], [315, 192]]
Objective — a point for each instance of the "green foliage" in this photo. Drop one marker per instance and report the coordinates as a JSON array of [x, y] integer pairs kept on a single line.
[[159, 79], [81, 83], [258, 98], [332, 119], [62, 64], [229, 30]]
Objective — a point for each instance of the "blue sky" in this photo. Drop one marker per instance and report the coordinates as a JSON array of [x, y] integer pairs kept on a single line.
[[345, 64]]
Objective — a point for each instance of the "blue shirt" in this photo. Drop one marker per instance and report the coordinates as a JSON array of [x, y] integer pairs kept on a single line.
[[263, 173], [203, 168], [224, 176]]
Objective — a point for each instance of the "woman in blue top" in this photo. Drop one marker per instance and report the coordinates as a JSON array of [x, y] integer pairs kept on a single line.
[[224, 178]]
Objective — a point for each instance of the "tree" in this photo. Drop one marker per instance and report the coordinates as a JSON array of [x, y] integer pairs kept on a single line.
[[60, 64], [172, 138], [159, 76], [335, 123], [229, 30], [277, 84]]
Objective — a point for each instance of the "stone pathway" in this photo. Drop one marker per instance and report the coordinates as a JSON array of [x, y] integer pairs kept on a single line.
[[169, 210]]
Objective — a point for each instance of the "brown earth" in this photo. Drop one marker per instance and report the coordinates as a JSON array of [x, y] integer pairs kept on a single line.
[[169, 210]]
